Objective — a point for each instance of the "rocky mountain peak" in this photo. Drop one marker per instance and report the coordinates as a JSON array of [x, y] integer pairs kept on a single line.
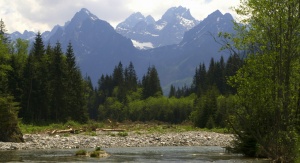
[[150, 20], [82, 15], [215, 15], [177, 12], [131, 21]]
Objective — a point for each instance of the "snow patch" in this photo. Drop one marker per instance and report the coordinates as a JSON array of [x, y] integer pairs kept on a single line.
[[187, 23], [161, 26], [142, 45], [94, 18]]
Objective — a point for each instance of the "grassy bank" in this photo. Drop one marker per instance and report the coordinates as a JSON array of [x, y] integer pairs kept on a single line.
[[137, 127]]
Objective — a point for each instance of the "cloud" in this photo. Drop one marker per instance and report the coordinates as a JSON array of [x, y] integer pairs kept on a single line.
[[41, 15]]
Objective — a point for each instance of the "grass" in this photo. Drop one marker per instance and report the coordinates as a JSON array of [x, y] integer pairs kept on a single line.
[[123, 134], [136, 127], [89, 127]]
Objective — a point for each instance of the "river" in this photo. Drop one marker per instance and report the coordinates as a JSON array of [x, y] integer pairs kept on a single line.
[[130, 154]]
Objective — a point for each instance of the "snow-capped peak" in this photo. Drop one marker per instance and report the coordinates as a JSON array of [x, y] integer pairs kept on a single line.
[[177, 12]]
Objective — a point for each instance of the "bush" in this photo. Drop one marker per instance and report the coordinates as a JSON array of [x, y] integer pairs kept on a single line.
[[122, 134], [81, 153], [98, 149], [95, 154]]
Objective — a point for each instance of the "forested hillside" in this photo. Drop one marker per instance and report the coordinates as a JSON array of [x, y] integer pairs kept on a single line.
[[48, 87]]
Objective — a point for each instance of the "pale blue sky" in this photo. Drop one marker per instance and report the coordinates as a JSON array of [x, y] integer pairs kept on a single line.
[[42, 15]]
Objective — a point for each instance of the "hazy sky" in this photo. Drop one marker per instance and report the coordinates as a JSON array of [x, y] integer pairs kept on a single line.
[[42, 15]]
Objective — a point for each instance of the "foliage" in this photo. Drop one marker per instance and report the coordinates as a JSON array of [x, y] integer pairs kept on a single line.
[[266, 115], [123, 134], [9, 127], [98, 149], [47, 83], [151, 84], [9, 121], [81, 152]]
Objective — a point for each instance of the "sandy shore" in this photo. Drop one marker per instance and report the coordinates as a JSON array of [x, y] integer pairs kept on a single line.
[[110, 139]]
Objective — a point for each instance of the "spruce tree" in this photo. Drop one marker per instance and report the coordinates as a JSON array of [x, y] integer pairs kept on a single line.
[[75, 100], [58, 86], [151, 84], [4, 37], [9, 128], [131, 82], [172, 92], [35, 99]]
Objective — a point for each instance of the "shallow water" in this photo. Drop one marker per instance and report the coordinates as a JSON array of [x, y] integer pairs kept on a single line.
[[130, 154]]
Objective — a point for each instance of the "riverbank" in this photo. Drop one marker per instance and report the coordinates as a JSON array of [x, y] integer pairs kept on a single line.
[[106, 139]]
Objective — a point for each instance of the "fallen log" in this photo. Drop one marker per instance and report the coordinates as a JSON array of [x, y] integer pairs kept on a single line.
[[70, 130]]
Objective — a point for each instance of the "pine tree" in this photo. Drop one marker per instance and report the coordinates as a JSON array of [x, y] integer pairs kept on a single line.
[[58, 86], [75, 100], [9, 128], [17, 62], [130, 78], [199, 84], [35, 99], [151, 84], [172, 92], [92, 98], [3, 35]]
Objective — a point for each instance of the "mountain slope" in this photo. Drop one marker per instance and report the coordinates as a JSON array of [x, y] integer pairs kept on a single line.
[[97, 46], [177, 63]]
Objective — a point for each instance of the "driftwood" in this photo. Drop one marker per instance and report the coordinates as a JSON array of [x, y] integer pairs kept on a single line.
[[115, 129], [70, 130]]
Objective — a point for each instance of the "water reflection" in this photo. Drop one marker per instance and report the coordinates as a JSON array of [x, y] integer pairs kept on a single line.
[[144, 154]]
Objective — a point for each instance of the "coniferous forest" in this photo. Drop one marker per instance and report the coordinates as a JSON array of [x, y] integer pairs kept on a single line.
[[257, 96], [46, 86]]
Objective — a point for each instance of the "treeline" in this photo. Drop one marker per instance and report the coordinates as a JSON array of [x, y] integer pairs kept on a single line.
[[213, 95], [46, 82], [121, 96]]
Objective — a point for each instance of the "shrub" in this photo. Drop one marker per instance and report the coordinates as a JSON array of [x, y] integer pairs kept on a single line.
[[123, 134], [95, 154], [81, 153]]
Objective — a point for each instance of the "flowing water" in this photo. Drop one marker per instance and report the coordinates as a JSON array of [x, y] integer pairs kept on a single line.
[[130, 154]]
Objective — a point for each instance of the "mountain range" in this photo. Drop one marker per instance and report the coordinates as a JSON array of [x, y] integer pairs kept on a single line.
[[166, 31], [178, 43]]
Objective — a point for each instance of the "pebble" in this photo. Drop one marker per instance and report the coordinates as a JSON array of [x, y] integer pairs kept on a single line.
[[106, 140]]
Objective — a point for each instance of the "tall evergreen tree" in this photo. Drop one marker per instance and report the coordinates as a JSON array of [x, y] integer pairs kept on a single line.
[[92, 98], [17, 62], [199, 84], [4, 37], [9, 128], [36, 95], [58, 86], [151, 84], [130, 78], [172, 92], [75, 100], [119, 83]]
